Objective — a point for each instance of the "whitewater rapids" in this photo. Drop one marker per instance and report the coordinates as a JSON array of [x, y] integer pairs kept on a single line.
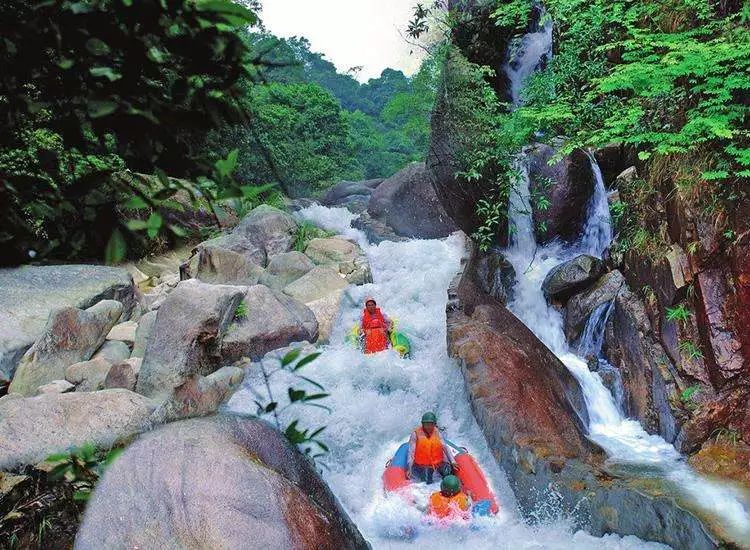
[[377, 400]]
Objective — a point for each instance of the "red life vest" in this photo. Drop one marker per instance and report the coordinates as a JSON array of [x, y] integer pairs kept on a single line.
[[376, 320], [429, 450]]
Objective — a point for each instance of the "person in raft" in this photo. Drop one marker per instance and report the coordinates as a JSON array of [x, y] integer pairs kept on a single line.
[[375, 327], [428, 453], [450, 501]]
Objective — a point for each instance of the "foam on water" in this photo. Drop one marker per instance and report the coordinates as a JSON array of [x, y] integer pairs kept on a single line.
[[377, 400]]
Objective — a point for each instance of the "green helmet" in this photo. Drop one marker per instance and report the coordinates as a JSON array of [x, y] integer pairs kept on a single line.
[[429, 418], [450, 486]]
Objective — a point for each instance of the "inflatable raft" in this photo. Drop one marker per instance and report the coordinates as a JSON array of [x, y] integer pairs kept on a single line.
[[473, 481], [398, 340]]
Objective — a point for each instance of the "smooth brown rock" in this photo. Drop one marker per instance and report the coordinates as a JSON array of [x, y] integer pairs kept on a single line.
[[124, 374], [572, 276], [220, 482], [221, 266], [88, 375]]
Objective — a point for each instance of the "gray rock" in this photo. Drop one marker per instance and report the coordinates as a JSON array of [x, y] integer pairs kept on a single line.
[[221, 266], [55, 422], [187, 334], [567, 184], [273, 320], [580, 306], [29, 294], [265, 494], [496, 275], [143, 333], [237, 242], [71, 335], [572, 276], [326, 310], [124, 332], [348, 258], [346, 192], [407, 202], [56, 386], [88, 375], [200, 396], [112, 351], [269, 229], [315, 284], [626, 177], [124, 374], [285, 268]]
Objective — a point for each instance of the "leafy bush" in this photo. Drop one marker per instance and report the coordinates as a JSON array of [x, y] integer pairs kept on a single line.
[[90, 87], [306, 232], [679, 313], [81, 467]]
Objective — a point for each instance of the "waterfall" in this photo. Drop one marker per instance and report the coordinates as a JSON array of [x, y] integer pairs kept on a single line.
[[597, 233], [592, 339], [527, 54], [624, 440]]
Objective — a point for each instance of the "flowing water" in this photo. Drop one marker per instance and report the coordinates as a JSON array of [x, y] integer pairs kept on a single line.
[[625, 440], [527, 54], [377, 400]]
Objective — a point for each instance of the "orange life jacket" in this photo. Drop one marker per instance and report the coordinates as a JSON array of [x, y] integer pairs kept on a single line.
[[376, 320], [442, 506], [429, 450]]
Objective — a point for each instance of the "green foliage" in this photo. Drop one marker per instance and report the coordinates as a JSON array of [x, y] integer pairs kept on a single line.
[[679, 313], [668, 78], [687, 396], [306, 232], [240, 312], [81, 467], [306, 439], [88, 88], [690, 349]]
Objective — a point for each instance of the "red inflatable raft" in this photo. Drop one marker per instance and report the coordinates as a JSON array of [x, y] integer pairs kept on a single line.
[[473, 480]]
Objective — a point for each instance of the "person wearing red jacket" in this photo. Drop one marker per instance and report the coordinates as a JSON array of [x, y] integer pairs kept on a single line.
[[375, 327]]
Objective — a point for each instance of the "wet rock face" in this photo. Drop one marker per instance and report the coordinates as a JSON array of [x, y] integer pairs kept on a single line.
[[531, 411], [496, 275], [218, 482], [29, 294], [651, 387], [572, 276], [71, 335], [346, 193], [580, 307], [568, 186], [407, 202]]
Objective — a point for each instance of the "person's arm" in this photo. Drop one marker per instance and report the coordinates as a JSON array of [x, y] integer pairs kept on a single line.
[[448, 454], [410, 455]]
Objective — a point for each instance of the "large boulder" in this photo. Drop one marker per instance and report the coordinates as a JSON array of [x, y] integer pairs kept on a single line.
[[285, 268], [238, 243], [580, 307], [112, 351], [326, 310], [71, 335], [88, 375], [316, 284], [123, 374], [143, 333], [346, 256], [273, 320], [407, 202], [222, 266], [220, 482], [345, 193], [572, 276], [187, 335], [29, 294], [647, 374], [269, 229], [496, 275], [568, 185], [33, 428]]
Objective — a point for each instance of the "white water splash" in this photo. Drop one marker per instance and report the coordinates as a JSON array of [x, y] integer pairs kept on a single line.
[[624, 439], [377, 400]]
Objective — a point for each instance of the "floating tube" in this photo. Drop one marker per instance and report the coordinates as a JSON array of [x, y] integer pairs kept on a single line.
[[475, 485], [394, 476], [398, 340]]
